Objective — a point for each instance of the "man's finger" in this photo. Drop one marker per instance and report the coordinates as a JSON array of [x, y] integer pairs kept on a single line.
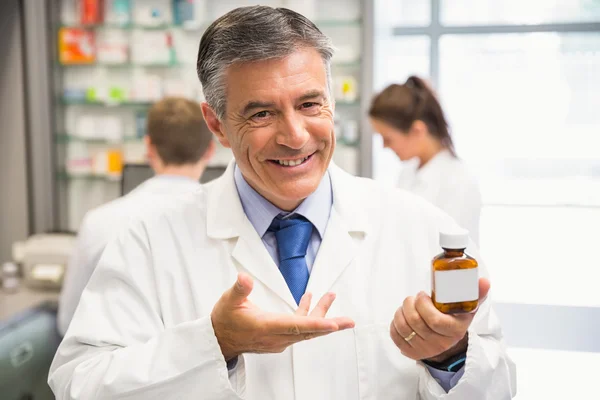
[[289, 340], [241, 288], [308, 336], [343, 323], [304, 305], [323, 305], [414, 320], [440, 323], [285, 324], [399, 340], [400, 325]]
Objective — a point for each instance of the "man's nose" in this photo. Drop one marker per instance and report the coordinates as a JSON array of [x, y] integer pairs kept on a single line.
[[292, 133]]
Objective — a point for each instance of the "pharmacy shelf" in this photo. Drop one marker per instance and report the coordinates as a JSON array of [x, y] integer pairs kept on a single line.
[[345, 103], [66, 138], [125, 65], [199, 26], [146, 104], [77, 177], [83, 102], [66, 176], [71, 103], [128, 27]]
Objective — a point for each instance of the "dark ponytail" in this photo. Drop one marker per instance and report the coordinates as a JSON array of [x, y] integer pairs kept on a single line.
[[401, 105]]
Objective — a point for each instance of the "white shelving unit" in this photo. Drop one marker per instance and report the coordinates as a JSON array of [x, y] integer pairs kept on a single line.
[[101, 103]]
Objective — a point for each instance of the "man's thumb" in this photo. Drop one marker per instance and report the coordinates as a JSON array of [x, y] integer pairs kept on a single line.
[[242, 287]]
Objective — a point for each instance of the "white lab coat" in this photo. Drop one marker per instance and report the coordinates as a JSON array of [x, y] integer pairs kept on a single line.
[[143, 327], [102, 224], [446, 182]]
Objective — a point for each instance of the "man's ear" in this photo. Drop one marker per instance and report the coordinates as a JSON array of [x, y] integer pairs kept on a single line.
[[213, 123]]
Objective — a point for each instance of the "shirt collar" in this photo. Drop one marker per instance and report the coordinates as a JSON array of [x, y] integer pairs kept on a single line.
[[316, 208]]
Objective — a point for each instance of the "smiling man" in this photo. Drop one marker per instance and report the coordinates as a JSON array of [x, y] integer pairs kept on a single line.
[[212, 297]]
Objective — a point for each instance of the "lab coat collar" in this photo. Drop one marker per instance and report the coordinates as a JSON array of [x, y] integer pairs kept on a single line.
[[226, 214], [315, 208], [431, 170], [348, 203], [348, 225]]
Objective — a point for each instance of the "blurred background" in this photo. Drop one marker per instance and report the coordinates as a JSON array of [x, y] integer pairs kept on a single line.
[[518, 79]]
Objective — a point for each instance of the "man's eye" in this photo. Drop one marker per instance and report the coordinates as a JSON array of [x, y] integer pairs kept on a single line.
[[261, 115], [309, 105]]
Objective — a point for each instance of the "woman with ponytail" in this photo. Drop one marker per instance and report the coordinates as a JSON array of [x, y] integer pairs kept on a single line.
[[411, 122]]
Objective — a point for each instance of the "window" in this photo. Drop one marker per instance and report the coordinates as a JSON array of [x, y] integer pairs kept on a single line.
[[519, 83], [514, 12], [523, 112], [402, 12]]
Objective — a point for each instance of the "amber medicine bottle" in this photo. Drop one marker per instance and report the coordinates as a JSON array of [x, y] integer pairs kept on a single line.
[[455, 276]]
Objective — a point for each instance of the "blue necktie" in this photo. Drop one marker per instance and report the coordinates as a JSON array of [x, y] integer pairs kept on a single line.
[[293, 235]]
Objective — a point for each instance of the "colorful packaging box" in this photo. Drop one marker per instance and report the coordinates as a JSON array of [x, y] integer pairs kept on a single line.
[[76, 46]]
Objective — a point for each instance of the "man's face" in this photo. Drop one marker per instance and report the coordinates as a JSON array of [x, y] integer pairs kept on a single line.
[[279, 125]]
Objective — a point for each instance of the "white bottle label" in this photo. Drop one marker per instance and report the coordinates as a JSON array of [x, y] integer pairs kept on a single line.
[[456, 285]]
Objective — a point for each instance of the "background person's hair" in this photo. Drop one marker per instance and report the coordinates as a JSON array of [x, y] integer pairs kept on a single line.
[[401, 105], [254, 33], [178, 131]]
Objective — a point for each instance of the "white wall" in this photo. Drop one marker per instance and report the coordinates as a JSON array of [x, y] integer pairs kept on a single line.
[[14, 223]]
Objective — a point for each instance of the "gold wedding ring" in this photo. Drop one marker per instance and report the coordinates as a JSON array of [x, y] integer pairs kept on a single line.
[[410, 337]]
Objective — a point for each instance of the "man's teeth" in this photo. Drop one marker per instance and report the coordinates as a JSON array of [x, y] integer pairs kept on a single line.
[[291, 163]]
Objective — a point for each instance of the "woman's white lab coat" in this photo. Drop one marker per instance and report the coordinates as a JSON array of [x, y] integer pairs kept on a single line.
[[143, 327], [445, 182]]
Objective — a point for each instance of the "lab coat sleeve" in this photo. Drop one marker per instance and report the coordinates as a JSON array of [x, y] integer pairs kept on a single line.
[[489, 374], [86, 254], [118, 348]]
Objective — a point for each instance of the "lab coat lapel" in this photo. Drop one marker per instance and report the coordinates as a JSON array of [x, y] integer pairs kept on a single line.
[[226, 220], [346, 229], [251, 253], [335, 254]]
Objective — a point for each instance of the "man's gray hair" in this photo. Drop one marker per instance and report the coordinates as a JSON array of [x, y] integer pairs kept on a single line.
[[249, 34]]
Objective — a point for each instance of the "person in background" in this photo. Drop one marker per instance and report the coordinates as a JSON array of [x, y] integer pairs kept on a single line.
[[411, 122], [179, 146]]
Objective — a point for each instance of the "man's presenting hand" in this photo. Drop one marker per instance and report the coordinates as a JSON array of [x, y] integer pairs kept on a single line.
[[438, 336], [241, 327]]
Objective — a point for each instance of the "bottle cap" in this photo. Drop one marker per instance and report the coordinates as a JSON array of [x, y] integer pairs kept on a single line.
[[454, 240]]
